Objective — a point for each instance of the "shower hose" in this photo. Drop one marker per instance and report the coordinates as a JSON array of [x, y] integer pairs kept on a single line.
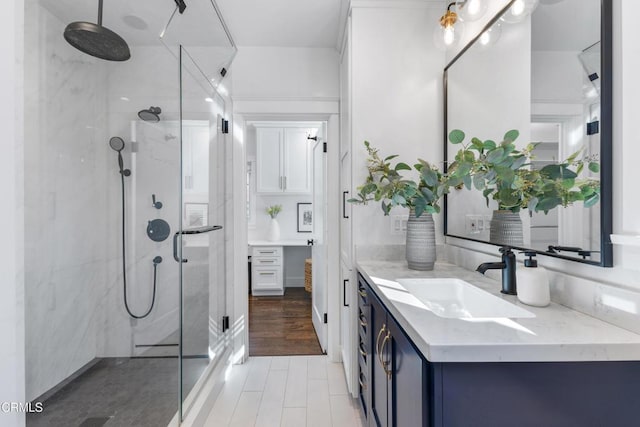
[[124, 263]]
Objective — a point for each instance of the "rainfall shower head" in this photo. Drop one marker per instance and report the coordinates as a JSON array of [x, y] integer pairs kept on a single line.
[[96, 40], [151, 114]]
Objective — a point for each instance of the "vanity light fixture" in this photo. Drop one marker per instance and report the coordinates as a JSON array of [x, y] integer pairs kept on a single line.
[[491, 36], [447, 32], [471, 10], [519, 10]]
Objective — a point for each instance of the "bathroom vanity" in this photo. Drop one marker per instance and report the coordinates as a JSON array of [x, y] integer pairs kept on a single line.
[[430, 356]]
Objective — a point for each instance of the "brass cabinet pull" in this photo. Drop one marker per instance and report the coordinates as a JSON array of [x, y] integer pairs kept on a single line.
[[378, 339], [363, 385], [363, 322], [362, 352], [382, 361]]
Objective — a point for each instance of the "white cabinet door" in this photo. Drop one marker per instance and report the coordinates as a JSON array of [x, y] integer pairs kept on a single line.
[[297, 161], [269, 160]]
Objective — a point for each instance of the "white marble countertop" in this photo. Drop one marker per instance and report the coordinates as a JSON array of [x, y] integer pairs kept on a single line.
[[556, 333], [278, 243]]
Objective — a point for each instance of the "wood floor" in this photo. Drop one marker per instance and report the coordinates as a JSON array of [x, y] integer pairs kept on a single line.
[[281, 326]]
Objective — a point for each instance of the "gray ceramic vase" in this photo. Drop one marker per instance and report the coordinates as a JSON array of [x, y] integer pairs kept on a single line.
[[421, 242], [506, 228]]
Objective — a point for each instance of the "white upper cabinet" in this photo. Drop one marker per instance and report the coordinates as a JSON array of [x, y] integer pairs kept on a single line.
[[283, 160], [269, 160]]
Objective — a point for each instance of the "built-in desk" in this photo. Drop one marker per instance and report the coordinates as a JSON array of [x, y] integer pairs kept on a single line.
[[267, 265]]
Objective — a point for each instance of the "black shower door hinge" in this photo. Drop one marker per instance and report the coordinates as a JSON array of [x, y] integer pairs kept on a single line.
[[325, 318], [593, 128], [225, 323], [225, 126], [324, 147]]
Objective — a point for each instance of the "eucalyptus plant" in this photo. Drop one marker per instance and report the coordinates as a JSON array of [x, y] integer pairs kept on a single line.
[[386, 185], [503, 173]]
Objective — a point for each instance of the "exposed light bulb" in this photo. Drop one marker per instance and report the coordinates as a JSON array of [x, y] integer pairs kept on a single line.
[[485, 38], [471, 10], [473, 6], [449, 36], [208, 100], [518, 8]]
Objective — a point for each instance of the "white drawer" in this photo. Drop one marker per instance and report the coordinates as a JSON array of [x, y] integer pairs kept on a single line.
[[264, 261], [266, 251], [266, 278]]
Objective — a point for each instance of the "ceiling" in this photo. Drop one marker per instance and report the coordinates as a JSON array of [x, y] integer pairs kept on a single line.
[[570, 25], [283, 23]]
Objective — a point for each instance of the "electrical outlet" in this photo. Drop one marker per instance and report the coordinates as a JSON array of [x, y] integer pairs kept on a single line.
[[399, 224], [472, 224]]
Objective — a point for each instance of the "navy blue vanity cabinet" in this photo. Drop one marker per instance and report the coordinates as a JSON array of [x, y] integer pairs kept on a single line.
[[404, 389], [364, 353], [397, 371]]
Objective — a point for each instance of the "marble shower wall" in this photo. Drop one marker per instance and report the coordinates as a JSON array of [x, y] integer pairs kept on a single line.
[[66, 201]]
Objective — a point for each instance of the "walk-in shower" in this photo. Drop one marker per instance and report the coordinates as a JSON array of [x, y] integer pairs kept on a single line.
[[117, 331]]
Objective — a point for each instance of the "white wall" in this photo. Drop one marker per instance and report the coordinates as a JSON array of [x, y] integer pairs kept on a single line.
[[66, 207], [396, 100], [12, 330], [272, 73]]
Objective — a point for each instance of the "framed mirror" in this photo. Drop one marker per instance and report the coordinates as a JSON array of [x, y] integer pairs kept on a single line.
[[548, 76]]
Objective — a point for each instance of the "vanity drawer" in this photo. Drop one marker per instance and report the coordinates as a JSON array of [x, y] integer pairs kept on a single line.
[[266, 261], [266, 278], [267, 251]]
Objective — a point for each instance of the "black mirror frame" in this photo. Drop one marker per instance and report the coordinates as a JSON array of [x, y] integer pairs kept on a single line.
[[606, 137]]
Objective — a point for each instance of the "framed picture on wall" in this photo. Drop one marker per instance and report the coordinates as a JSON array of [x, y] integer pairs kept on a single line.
[[305, 217]]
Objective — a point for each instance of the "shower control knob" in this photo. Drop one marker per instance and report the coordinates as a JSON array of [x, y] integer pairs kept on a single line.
[[157, 260], [157, 205]]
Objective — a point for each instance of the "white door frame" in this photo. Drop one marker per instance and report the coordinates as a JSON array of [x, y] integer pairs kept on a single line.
[[275, 112]]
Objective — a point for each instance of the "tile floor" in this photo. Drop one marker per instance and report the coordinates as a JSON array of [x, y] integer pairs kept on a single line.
[[287, 391]]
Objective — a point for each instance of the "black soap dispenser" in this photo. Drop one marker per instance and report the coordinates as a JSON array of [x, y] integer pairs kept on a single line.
[[533, 282]]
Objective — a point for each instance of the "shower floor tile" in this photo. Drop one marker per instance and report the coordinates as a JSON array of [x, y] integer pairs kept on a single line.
[[119, 392]]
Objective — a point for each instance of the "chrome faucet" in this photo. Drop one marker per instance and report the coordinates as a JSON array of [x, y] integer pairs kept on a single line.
[[508, 267]]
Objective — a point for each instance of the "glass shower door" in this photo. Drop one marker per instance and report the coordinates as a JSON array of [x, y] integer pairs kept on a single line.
[[200, 243]]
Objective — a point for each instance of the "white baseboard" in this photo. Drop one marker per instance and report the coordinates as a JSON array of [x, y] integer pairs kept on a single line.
[[294, 282]]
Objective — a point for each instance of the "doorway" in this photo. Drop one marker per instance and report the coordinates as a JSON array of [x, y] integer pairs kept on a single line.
[[286, 216]]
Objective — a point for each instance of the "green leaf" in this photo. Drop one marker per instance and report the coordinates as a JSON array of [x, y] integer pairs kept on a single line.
[[402, 167], [568, 183], [428, 194], [456, 136], [552, 171], [430, 177], [518, 162], [390, 157], [489, 144], [496, 155], [591, 201], [594, 167], [531, 205], [431, 209], [398, 199], [548, 203], [467, 181], [478, 181], [512, 135], [477, 144]]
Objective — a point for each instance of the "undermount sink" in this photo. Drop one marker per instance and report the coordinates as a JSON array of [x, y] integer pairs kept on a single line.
[[455, 298]]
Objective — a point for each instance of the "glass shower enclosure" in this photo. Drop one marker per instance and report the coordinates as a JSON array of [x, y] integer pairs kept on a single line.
[[126, 217]]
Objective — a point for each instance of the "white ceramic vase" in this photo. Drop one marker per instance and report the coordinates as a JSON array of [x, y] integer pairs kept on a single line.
[[274, 230], [421, 242]]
